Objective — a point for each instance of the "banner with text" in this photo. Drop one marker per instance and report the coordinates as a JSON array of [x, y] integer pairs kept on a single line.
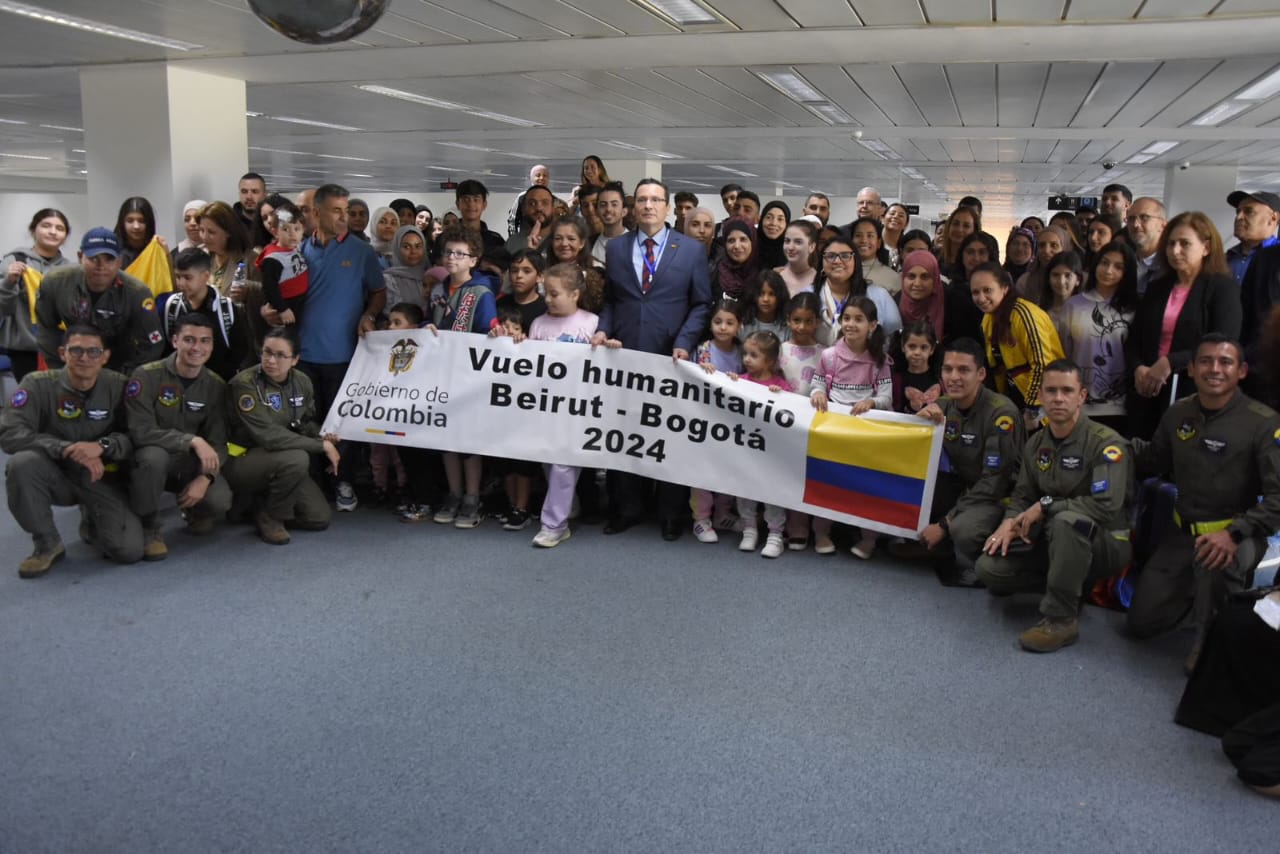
[[637, 412]]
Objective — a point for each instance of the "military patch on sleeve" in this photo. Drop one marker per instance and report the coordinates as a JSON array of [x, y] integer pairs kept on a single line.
[[149, 304], [1100, 486], [1005, 424], [246, 403], [133, 389], [1276, 436], [1113, 453], [993, 461], [19, 399]]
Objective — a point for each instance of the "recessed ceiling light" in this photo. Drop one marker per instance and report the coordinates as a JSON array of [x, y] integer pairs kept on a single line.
[[1158, 148], [311, 154], [11, 122], [63, 127], [830, 113], [879, 149], [357, 175], [469, 147], [682, 12], [737, 172], [503, 117], [311, 123], [428, 101], [77, 151], [37, 13], [1139, 159], [25, 156], [1220, 113], [793, 86], [1262, 89]]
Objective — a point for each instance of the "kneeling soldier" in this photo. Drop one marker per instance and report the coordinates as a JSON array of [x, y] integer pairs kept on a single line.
[[274, 432], [65, 434], [1067, 519], [177, 414], [1222, 450]]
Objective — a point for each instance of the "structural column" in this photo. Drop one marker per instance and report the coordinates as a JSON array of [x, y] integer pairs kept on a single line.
[[1205, 189], [164, 133], [630, 172]]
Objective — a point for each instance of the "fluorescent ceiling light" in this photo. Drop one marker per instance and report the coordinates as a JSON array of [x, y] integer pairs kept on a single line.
[[618, 144], [25, 156], [1222, 112], [879, 149], [77, 151], [793, 86], [1158, 148], [469, 147], [310, 154], [1139, 159], [1262, 89], [503, 117], [11, 122], [37, 13], [683, 12], [830, 113], [62, 127], [252, 114], [737, 172], [310, 123], [357, 175], [427, 101]]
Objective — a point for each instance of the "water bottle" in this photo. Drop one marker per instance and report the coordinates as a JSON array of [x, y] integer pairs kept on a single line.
[[238, 282]]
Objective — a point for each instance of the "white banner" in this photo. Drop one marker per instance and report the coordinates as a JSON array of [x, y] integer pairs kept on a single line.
[[642, 413]]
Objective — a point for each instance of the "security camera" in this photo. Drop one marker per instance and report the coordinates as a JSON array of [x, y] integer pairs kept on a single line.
[[1108, 165], [1184, 165]]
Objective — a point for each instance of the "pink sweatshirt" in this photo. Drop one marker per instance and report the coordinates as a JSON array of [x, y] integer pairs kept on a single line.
[[850, 377]]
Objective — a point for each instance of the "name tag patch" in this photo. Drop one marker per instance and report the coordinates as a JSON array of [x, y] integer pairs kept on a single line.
[[993, 461], [1100, 486]]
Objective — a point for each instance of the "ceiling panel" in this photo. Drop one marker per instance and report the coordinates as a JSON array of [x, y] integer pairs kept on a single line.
[[709, 109], [819, 13], [1018, 89], [957, 11], [883, 86], [985, 150], [1064, 91], [1011, 150], [1225, 80], [1238, 7], [623, 112], [832, 81], [775, 108], [974, 88], [669, 104], [1065, 150], [958, 150], [628, 17], [928, 87], [1176, 8], [464, 25], [704, 83], [1094, 152], [1257, 117], [1009, 11], [553, 13], [755, 14], [885, 13], [1119, 82], [1102, 10], [1038, 150], [932, 149], [1170, 82]]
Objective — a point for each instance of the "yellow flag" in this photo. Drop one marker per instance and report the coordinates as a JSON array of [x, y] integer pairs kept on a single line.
[[31, 279], [152, 269]]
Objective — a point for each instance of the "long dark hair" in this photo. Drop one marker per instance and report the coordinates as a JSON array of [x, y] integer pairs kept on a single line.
[[857, 284], [1002, 318], [987, 240], [1126, 296], [882, 254], [764, 279], [1069, 259], [876, 340], [45, 213], [139, 205]]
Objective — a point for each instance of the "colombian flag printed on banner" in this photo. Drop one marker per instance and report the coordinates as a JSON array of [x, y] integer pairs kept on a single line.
[[869, 468]]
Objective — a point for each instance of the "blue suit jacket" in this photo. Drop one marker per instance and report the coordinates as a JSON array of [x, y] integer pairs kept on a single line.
[[674, 311]]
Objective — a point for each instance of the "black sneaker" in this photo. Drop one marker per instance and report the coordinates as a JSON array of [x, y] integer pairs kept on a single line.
[[516, 520]]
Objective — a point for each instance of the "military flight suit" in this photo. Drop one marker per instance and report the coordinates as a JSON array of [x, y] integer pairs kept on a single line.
[[124, 313], [1085, 530], [982, 446], [45, 416], [165, 412], [276, 426], [1221, 462]]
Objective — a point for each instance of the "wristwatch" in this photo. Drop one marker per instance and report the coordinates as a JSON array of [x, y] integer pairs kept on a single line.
[[1046, 501], [105, 444]]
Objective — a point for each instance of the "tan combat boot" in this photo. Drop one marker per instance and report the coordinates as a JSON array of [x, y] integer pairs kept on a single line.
[[153, 547], [44, 556], [1050, 634], [271, 529]]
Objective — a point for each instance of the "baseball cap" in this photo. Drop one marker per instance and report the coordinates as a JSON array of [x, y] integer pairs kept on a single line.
[[100, 241], [1271, 200]]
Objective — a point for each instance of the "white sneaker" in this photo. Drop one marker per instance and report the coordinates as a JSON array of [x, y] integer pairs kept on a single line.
[[549, 539], [865, 548], [703, 530], [750, 537], [345, 497], [774, 546], [823, 546]]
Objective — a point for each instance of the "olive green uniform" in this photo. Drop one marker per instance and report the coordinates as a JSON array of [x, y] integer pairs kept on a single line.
[[982, 446], [1085, 531], [276, 425], [124, 313], [45, 416], [165, 413], [1221, 462]]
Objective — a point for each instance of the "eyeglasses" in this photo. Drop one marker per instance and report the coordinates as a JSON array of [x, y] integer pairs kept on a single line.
[[272, 355], [831, 257], [651, 200], [457, 253], [1143, 218], [81, 352]]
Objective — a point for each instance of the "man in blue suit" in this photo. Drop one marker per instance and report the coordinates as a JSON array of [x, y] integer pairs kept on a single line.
[[656, 299]]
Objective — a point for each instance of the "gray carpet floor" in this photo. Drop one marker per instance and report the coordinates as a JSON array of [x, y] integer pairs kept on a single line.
[[384, 687]]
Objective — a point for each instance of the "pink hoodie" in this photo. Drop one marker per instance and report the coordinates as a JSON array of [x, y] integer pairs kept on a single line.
[[850, 377]]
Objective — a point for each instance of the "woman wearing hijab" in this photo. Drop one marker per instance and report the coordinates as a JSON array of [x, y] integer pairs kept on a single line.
[[382, 226], [921, 302], [1019, 252], [773, 224], [741, 260], [404, 277], [1050, 242]]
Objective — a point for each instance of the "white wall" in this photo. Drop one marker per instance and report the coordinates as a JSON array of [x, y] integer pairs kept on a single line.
[[16, 210]]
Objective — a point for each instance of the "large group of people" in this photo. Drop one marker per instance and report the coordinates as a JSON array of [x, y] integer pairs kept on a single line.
[[1105, 348]]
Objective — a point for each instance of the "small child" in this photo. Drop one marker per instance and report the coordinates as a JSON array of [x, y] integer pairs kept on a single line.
[[517, 475], [720, 352], [525, 275], [383, 458], [463, 303], [760, 360], [856, 371], [917, 386], [510, 324], [799, 359], [564, 321], [764, 297], [285, 278]]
